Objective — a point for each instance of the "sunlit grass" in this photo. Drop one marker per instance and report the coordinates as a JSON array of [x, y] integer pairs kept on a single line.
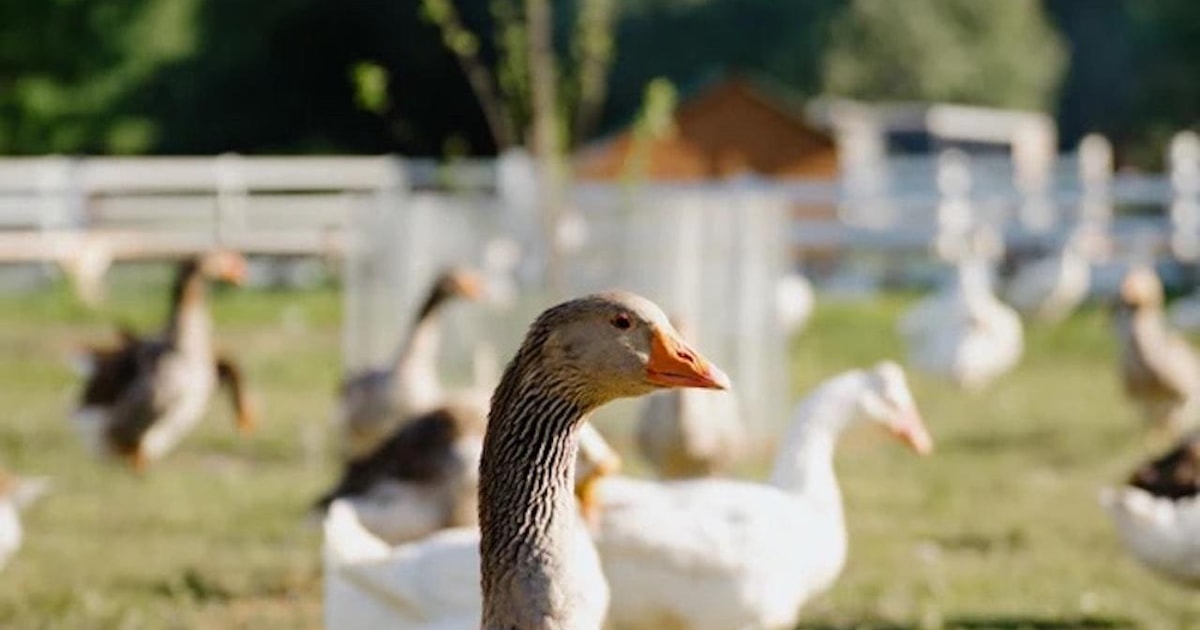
[[998, 529]]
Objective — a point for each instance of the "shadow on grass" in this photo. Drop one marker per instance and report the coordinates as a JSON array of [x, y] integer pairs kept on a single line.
[[988, 623]]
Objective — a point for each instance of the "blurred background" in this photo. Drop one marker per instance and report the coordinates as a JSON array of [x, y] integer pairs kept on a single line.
[[801, 181]]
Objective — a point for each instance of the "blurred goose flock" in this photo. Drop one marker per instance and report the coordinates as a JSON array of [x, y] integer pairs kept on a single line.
[[469, 463]]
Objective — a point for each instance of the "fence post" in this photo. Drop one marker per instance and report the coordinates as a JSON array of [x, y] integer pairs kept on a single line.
[[862, 160], [230, 176], [1184, 159], [954, 205], [1033, 154]]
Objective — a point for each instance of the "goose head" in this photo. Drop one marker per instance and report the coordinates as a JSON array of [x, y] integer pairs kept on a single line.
[[618, 345], [886, 400], [1140, 289], [459, 282], [223, 265]]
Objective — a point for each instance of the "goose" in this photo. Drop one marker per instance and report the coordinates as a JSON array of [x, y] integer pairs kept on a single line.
[[1051, 288], [141, 397], [16, 494], [685, 433], [372, 583], [374, 401], [1157, 513], [1159, 369], [714, 554], [425, 476], [532, 554], [963, 333]]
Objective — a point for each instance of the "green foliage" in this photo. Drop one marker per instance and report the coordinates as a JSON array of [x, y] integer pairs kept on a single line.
[[655, 120], [370, 86], [66, 67], [1003, 54], [185, 76]]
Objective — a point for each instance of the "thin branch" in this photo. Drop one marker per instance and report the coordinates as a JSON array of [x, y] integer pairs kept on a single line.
[[593, 58], [465, 47]]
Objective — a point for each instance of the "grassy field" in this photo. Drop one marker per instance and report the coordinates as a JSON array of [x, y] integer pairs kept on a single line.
[[999, 529]]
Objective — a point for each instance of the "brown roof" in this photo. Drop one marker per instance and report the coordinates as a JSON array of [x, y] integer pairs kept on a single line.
[[729, 128]]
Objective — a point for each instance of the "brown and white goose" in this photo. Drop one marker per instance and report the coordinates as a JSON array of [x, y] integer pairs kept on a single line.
[[1159, 369], [375, 401], [425, 477], [1157, 512], [144, 395], [685, 433], [536, 562]]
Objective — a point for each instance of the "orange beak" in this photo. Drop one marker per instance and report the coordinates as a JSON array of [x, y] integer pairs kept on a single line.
[[233, 269], [911, 430], [470, 286], [673, 364]]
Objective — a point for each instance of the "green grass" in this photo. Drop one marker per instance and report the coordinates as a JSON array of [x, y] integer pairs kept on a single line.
[[998, 529]]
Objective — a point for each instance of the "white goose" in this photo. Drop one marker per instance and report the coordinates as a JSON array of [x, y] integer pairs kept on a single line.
[[15, 495], [963, 333], [717, 554], [1157, 513], [1051, 288]]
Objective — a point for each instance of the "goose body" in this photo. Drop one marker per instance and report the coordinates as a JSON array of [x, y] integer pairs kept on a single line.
[[144, 395], [375, 401], [963, 333], [1159, 369], [532, 554], [715, 554], [432, 581], [1157, 513], [423, 478]]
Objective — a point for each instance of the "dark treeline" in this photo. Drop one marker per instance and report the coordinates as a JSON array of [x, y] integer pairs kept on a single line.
[[206, 76]]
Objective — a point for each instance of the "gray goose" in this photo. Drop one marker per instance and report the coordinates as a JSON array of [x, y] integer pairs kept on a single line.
[[687, 433], [1159, 369], [539, 568], [373, 402], [144, 395]]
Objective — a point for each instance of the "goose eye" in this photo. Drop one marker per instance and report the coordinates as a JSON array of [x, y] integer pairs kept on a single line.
[[622, 321]]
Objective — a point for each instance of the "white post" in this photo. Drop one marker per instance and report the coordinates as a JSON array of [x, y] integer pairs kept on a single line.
[[862, 160], [1184, 159], [230, 176], [1033, 153], [954, 212], [517, 187]]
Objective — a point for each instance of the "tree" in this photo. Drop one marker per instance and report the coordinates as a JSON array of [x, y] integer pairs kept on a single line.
[[1003, 54], [66, 67], [529, 70]]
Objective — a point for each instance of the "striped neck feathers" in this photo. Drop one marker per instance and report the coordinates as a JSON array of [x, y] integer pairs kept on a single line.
[[526, 505]]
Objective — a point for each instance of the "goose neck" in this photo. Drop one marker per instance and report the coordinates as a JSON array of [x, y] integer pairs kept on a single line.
[[421, 346], [189, 326], [526, 506], [804, 465]]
